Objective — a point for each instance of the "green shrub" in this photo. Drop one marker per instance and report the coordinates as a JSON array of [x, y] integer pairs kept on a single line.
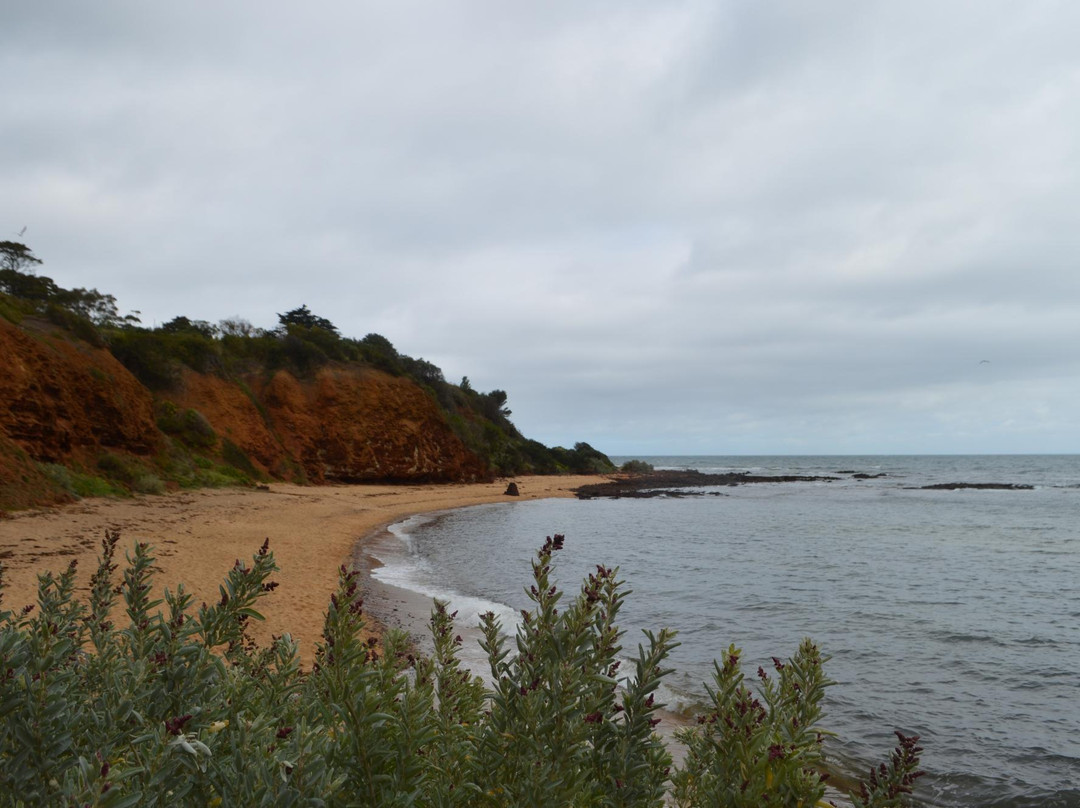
[[196, 430], [130, 473], [190, 470], [302, 354], [194, 349], [145, 353], [636, 467], [118, 468], [538, 458], [237, 457], [148, 483], [752, 749], [180, 707], [79, 484], [583, 459], [189, 426], [79, 325], [215, 477], [10, 309]]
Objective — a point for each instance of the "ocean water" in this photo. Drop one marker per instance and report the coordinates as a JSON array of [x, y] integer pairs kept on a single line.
[[951, 614]]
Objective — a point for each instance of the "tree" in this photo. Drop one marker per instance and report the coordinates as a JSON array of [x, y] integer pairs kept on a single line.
[[380, 343], [305, 318], [424, 372], [238, 327], [498, 401], [182, 325], [17, 275], [98, 308], [17, 257]]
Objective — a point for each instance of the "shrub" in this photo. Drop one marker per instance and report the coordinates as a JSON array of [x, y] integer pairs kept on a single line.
[[80, 326], [10, 309], [117, 468], [180, 707], [636, 467], [147, 483], [583, 459], [304, 355], [145, 353], [79, 484], [379, 352], [751, 749], [130, 473], [196, 430], [195, 349], [237, 457], [189, 426]]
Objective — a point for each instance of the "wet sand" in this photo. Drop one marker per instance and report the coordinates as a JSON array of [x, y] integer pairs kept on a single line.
[[198, 535]]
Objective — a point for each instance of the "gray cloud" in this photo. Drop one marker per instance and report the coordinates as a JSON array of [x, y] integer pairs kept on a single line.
[[714, 227]]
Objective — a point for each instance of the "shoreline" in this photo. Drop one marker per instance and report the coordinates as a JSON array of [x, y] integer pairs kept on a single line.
[[198, 535], [312, 531]]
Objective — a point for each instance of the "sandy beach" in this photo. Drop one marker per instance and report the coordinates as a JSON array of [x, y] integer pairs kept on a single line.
[[198, 535]]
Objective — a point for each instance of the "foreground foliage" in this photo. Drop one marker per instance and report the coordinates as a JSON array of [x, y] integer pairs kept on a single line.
[[179, 707]]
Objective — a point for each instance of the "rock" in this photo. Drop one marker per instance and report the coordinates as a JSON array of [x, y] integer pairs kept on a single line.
[[981, 486], [666, 483], [512, 490]]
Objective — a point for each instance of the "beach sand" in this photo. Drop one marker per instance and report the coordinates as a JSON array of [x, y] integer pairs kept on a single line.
[[198, 535]]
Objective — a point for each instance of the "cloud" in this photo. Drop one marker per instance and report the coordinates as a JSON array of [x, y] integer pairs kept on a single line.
[[689, 226]]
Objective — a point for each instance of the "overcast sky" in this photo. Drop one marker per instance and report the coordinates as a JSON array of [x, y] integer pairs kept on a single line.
[[662, 227]]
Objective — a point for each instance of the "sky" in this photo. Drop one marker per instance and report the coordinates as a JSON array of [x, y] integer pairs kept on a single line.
[[722, 227]]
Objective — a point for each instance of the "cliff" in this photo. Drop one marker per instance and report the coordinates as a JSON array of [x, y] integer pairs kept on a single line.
[[347, 423], [72, 415]]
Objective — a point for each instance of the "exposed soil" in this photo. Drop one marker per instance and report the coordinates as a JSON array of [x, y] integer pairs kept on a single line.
[[66, 402]]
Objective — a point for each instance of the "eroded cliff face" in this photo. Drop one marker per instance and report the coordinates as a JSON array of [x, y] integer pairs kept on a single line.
[[231, 410], [64, 401], [62, 398], [346, 424], [352, 424]]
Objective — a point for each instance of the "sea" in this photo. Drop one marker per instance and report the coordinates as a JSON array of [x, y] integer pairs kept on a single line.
[[950, 614]]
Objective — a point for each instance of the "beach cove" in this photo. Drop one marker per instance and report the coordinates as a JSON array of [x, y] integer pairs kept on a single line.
[[198, 535], [941, 587]]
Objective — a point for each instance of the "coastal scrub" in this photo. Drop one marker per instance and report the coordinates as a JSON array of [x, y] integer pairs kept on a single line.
[[179, 706]]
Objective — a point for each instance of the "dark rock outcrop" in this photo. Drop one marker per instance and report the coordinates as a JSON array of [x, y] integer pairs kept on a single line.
[[668, 483], [983, 486]]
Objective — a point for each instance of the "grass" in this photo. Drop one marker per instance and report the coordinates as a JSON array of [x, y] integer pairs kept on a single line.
[[81, 485]]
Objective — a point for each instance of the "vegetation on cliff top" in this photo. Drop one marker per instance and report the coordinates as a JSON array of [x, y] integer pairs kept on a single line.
[[180, 707], [302, 344]]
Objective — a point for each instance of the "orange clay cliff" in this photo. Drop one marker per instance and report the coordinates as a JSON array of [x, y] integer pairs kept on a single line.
[[64, 402]]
